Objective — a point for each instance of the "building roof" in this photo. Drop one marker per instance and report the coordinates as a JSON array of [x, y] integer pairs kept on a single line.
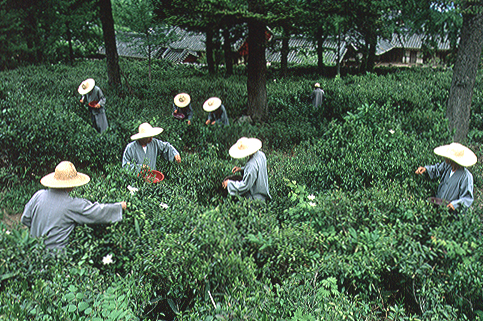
[[301, 50], [407, 42]]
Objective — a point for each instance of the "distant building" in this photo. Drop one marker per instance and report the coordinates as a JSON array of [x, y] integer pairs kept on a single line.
[[189, 47]]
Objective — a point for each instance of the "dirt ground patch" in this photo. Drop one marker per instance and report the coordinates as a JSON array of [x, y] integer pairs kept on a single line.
[[11, 221]]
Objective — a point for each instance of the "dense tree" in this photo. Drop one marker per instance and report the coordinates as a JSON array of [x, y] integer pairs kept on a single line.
[[113, 71], [465, 69]]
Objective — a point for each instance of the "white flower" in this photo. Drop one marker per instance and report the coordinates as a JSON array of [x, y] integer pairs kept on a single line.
[[311, 197], [7, 232], [132, 189], [312, 204], [107, 259], [391, 131], [163, 205]]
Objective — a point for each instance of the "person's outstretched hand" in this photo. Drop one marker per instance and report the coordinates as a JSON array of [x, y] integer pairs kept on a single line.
[[235, 169], [177, 158], [207, 122], [420, 170], [123, 205]]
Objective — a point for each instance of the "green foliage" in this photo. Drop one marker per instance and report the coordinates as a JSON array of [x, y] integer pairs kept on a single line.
[[347, 235]]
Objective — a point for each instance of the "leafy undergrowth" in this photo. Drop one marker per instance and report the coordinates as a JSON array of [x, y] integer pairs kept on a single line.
[[348, 234]]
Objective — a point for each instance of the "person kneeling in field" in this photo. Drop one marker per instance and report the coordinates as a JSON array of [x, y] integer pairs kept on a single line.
[[456, 186], [216, 112], [254, 184], [182, 107], [144, 149], [53, 213]]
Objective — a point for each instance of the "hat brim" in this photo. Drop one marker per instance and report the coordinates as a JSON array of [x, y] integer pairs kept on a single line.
[[254, 144], [183, 103], [90, 85], [467, 159], [151, 133], [214, 106], [49, 180]]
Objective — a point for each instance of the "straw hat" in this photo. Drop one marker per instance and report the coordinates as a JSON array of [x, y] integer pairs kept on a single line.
[[65, 176], [86, 86], [182, 100], [146, 130], [458, 153], [212, 104], [245, 147], [317, 85]]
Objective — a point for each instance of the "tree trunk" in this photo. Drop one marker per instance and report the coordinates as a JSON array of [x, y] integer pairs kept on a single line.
[[257, 70], [112, 58], [371, 58], [227, 51], [464, 75], [320, 50], [209, 51], [285, 51]]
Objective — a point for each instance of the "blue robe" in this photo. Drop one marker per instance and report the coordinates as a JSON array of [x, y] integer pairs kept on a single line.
[[134, 155], [457, 189], [219, 116], [53, 213], [255, 179]]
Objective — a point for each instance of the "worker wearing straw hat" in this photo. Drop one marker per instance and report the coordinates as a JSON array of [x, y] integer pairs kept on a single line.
[[182, 107], [95, 100], [254, 184], [144, 149], [53, 213], [456, 186], [216, 112]]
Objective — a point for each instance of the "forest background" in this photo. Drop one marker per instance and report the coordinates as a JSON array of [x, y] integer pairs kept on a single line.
[[348, 234]]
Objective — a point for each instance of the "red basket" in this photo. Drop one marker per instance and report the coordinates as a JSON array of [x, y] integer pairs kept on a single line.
[[152, 176], [93, 103]]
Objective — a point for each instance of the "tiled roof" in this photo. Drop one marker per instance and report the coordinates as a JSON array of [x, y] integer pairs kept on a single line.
[[304, 51], [408, 42], [301, 49]]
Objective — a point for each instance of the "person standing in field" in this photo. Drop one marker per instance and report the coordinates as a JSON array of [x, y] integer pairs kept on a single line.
[[52, 213], [216, 112], [456, 185], [96, 101], [317, 96], [182, 107]]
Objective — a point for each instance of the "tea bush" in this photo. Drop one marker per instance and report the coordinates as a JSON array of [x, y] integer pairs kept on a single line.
[[348, 233]]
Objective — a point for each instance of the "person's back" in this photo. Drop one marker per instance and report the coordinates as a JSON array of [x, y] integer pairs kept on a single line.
[[53, 213]]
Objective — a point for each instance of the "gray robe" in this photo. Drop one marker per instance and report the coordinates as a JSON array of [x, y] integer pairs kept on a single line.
[[186, 111], [54, 214], [457, 189], [98, 115], [255, 179], [317, 97], [220, 116], [134, 155]]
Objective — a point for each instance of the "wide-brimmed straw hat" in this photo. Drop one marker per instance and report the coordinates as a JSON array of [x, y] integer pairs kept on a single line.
[[245, 147], [458, 153], [65, 176], [182, 100], [146, 130], [86, 86], [317, 85], [212, 104]]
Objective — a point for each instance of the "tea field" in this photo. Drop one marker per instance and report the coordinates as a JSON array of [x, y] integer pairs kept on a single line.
[[348, 234]]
